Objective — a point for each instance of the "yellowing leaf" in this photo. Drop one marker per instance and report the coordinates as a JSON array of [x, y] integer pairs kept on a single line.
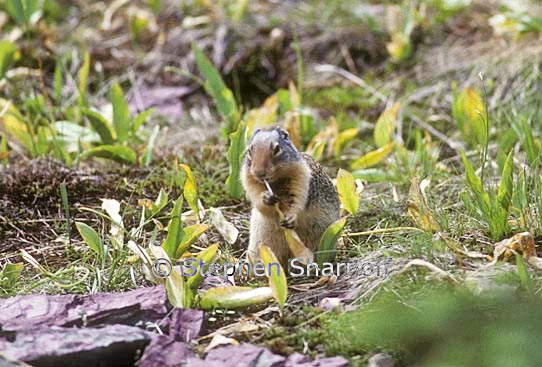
[[112, 208], [234, 297], [206, 256], [400, 47], [346, 186], [372, 158], [190, 190], [191, 234], [344, 137], [264, 115], [12, 123], [178, 293], [326, 248], [419, 210], [297, 247], [277, 276], [467, 111], [385, 125], [225, 228]]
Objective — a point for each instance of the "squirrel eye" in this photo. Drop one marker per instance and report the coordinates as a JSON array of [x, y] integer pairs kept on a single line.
[[276, 150]]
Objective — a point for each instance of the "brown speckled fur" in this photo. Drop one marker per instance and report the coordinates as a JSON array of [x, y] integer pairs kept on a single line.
[[304, 190]]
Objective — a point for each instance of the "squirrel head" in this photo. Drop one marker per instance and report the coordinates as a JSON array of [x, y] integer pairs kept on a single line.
[[270, 154]]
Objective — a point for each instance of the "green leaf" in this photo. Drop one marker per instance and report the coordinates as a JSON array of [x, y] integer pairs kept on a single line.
[[234, 297], [8, 52], [178, 293], [385, 125], [277, 278], [57, 82], [375, 175], [206, 256], [326, 248], [121, 113], [475, 184], [235, 159], [372, 158], [175, 231], [117, 153], [531, 149], [10, 274], [190, 190], [191, 234], [14, 124], [506, 187], [215, 87], [346, 186], [101, 125], [91, 238], [83, 77], [140, 119], [22, 11], [160, 202], [147, 155]]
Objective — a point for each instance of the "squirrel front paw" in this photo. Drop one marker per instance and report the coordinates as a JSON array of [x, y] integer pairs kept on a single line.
[[289, 221], [269, 198]]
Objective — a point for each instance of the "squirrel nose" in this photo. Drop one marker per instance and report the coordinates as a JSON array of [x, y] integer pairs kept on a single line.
[[259, 173]]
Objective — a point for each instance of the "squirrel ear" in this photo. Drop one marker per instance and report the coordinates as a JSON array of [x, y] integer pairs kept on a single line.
[[283, 133]]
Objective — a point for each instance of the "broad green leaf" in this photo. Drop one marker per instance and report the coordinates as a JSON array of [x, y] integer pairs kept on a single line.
[[191, 234], [385, 125], [506, 187], [214, 85], [178, 293], [140, 119], [101, 125], [326, 248], [206, 256], [235, 159], [23, 11], [160, 202], [117, 153], [10, 274], [375, 175], [91, 237], [190, 190], [83, 77], [346, 186], [318, 150], [8, 53], [372, 158], [277, 276], [467, 111], [73, 136], [175, 231], [234, 297], [476, 186], [121, 113]]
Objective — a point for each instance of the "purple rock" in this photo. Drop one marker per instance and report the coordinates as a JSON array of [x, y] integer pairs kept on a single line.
[[186, 324], [163, 351]]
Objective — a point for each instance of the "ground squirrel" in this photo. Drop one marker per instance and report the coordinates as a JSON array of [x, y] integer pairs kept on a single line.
[[299, 185]]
